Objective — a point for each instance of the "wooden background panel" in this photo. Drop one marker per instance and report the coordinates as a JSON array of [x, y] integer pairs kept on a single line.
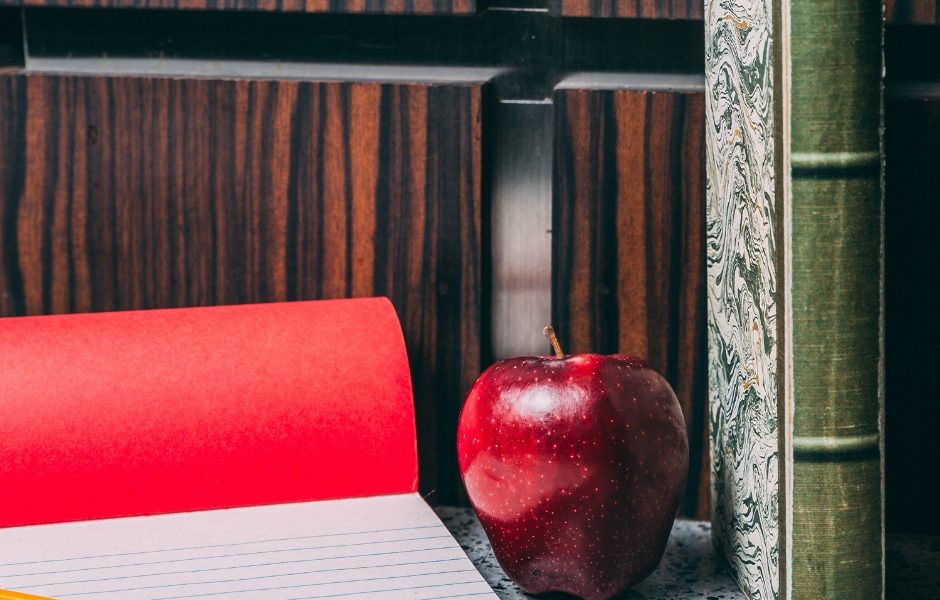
[[129, 193], [912, 12], [12, 136], [912, 324], [628, 257], [415, 7], [642, 9]]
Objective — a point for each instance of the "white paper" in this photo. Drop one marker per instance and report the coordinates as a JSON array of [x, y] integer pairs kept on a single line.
[[372, 548]]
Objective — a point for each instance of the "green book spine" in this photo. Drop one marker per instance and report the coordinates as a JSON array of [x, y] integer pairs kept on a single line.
[[836, 298]]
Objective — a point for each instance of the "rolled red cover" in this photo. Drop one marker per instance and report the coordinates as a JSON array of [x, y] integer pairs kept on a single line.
[[146, 412]]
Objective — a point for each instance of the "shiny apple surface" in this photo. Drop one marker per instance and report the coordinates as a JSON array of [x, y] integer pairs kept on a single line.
[[575, 467]]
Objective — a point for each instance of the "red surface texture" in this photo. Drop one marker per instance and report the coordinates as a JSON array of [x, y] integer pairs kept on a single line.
[[146, 412]]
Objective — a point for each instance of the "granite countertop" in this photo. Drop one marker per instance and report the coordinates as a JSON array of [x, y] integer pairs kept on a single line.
[[690, 568]]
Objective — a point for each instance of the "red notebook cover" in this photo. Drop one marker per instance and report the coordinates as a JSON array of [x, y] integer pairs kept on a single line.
[[146, 412]]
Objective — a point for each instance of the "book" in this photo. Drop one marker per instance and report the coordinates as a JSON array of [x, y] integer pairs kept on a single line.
[[795, 294], [254, 451]]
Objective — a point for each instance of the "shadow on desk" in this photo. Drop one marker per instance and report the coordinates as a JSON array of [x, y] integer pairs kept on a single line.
[[690, 569]]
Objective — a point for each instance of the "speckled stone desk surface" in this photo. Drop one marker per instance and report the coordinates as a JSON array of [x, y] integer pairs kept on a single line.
[[688, 570]]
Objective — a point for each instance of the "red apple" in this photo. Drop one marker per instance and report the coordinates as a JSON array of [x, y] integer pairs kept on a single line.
[[575, 466]]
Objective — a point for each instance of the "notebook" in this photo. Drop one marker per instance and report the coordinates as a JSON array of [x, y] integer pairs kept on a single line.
[[255, 451]]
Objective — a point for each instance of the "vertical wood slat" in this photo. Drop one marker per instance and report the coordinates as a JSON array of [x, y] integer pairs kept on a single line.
[[130, 193], [628, 249], [413, 7], [628, 9]]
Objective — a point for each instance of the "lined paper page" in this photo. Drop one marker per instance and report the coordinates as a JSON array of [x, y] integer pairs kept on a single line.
[[371, 548]]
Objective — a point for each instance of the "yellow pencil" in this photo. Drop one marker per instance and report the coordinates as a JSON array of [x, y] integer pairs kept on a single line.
[[8, 595]]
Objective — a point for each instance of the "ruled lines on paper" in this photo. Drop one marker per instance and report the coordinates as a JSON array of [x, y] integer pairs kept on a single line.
[[372, 548]]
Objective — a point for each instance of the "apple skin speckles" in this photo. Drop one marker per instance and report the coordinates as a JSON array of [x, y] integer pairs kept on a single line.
[[575, 466]]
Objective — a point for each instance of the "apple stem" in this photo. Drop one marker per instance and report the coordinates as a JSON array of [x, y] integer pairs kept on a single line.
[[549, 332]]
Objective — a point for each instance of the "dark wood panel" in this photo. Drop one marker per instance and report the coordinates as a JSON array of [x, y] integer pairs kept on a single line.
[[411, 7], [126, 193], [628, 9], [912, 12], [628, 263], [912, 323]]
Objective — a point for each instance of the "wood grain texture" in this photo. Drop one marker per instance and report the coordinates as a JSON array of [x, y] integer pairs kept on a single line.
[[628, 9], [130, 193], [628, 249], [912, 12], [912, 326], [410, 7]]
